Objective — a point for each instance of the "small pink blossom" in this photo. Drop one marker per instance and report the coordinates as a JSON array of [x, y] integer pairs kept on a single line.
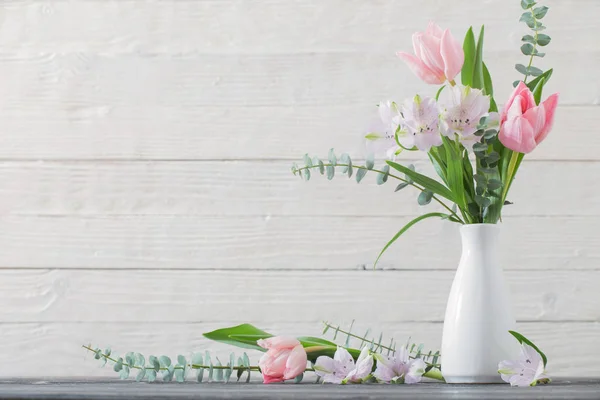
[[381, 139], [419, 122], [341, 368], [438, 55]]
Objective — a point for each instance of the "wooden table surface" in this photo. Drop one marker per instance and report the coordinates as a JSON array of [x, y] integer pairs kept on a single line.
[[115, 389]]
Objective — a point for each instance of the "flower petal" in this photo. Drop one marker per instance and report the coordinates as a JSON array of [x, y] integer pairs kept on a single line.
[[452, 54], [550, 107], [383, 373], [434, 30], [296, 363], [521, 87], [278, 342], [415, 371], [420, 69], [344, 359], [324, 365], [430, 54], [517, 135]]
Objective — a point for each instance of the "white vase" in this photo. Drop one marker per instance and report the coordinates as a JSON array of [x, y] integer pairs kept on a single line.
[[479, 312]]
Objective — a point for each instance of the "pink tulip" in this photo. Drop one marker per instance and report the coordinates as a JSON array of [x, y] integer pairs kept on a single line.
[[523, 124], [285, 359], [438, 56]]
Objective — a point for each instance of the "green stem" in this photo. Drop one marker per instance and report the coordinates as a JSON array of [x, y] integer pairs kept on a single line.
[[535, 32], [391, 175], [510, 174]]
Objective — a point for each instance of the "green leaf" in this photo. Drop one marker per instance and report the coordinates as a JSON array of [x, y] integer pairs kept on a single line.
[[130, 358], [407, 227], [528, 39], [231, 364], [494, 184], [534, 71], [332, 158], [140, 360], [124, 373], [537, 91], [181, 360], [330, 172], [98, 354], [439, 92], [307, 161], [401, 186], [480, 147], [164, 361], [478, 79], [543, 40], [321, 167], [307, 175], [382, 178], [466, 74], [344, 159], [521, 69], [480, 179], [424, 197], [107, 352], [168, 374], [454, 173], [370, 162], [546, 76], [527, 49], [118, 365], [540, 12], [140, 375], [179, 375], [218, 371], [244, 336], [298, 379], [482, 201], [151, 375], [523, 339], [360, 174], [349, 167], [425, 181], [526, 4], [489, 87]]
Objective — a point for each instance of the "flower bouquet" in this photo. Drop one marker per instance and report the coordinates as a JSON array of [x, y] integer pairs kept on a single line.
[[476, 152]]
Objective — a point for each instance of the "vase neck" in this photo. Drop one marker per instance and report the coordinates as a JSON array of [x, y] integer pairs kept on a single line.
[[480, 240]]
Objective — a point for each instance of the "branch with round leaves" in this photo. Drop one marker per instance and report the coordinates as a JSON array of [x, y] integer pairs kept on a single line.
[[532, 17]]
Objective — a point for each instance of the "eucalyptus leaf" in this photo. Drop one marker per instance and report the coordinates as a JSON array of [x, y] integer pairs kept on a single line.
[[480, 179], [526, 4], [383, 177], [482, 201], [370, 161], [543, 40], [332, 158], [140, 360], [124, 373], [307, 175], [360, 174], [540, 12], [494, 184], [179, 374], [118, 365], [218, 371], [330, 172], [527, 49], [401, 186], [298, 379], [164, 361], [307, 161], [140, 375], [151, 375], [528, 39]]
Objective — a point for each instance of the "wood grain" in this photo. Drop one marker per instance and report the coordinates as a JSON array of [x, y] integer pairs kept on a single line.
[[259, 188], [103, 83], [570, 347], [272, 26], [134, 132], [293, 296], [303, 243]]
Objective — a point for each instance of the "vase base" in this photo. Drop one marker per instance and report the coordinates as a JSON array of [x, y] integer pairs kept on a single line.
[[474, 379]]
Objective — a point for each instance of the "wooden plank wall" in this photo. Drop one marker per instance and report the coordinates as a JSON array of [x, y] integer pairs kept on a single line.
[[146, 197]]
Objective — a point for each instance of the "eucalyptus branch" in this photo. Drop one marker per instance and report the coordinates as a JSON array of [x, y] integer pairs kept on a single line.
[[454, 216], [532, 17], [417, 354]]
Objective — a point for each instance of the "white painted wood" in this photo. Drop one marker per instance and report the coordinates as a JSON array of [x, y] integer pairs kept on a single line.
[[275, 26], [150, 230], [304, 243], [251, 188], [131, 131], [53, 349], [100, 84], [214, 296]]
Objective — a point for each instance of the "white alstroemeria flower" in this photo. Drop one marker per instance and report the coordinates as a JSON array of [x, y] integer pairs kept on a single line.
[[334, 370], [363, 368], [342, 369], [419, 122], [381, 136], [462, 109], [399, 368], [526, 371]]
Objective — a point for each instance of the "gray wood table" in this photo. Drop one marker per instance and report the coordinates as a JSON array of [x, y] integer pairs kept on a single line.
[[115, 389]]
